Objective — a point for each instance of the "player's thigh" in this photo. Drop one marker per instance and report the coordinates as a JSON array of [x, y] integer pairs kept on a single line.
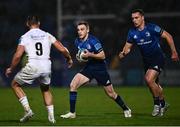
[[78, 80], [109, 89], [26, 75]]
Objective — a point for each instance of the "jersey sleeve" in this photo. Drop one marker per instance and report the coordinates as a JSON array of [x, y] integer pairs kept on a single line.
[[157, 29], [51, 38], [97, 45], [130, 38], [21, 41]]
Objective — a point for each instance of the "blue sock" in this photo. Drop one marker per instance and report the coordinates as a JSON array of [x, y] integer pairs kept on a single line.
[[121, 103], [72, 100]]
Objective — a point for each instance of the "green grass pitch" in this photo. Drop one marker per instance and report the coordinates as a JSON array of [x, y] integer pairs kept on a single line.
[[93, 107]]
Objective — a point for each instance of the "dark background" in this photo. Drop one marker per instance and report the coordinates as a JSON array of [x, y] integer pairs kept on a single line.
[[109, 21]]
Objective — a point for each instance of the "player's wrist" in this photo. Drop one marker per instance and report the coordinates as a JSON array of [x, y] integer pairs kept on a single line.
[[68, 58], [123, 54]]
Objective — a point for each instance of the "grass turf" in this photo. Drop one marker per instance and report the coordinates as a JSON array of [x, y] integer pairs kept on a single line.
[[93, 107]]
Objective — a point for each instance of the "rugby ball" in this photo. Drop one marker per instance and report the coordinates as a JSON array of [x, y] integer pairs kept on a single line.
[[80, 55]]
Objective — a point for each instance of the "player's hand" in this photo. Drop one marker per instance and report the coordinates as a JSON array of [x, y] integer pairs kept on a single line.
[[8, 72], [77, 57], [175, 56], [121, 55], [86, 54], [70, 63]]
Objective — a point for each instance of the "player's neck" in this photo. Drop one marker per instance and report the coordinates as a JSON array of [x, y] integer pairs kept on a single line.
[[85, 38], [141, 27], [34, 27]]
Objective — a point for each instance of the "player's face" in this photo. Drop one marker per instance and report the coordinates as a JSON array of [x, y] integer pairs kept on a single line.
[[137, 19], [82, 31]]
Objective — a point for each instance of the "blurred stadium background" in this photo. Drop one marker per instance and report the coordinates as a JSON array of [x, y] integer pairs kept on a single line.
[[110, 21]]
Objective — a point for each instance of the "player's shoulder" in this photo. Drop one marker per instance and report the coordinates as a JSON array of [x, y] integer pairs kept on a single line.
[[154, 27], [93, 39], [34, 31], [77, 40], [25, 35], [132, 31], [151, 25]]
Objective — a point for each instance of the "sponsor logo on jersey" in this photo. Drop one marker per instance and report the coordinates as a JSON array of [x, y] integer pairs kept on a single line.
[[88, 46], [148, 34]]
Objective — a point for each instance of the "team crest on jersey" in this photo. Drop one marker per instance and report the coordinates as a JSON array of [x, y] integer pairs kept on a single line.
[[148, 34], [135, 37], [157, 29], [88, 46]]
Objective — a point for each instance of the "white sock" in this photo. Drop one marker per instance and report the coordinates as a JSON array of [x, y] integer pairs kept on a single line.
[[50, 110], [25, 103]]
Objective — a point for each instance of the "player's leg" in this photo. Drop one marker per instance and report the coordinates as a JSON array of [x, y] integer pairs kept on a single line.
[[20, 95], [161, 95], [78, 80], [48, 101], [150, 78], [163, 103], [103, 78], [113, 95], [22, 77], [45, 80]]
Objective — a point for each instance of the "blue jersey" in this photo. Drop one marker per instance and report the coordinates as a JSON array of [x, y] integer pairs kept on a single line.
[[148, 41], [92, 44], [94, 69]]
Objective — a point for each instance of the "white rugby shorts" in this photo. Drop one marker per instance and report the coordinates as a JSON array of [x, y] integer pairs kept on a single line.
[[30, 73]]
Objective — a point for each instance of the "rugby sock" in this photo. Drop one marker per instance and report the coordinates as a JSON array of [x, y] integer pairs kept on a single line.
[[156, 101], [73, 96], [50, 110], [121, 103], [162, 102], [25, 103]]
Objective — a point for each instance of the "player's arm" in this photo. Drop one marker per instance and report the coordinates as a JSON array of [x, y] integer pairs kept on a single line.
[[126, 50], [15, 60], [170, 41], [100, 55], [58, 45]]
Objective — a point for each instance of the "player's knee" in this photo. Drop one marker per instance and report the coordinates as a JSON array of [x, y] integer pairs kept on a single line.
[[148, 80], [14, 84], [111, 94], [73, 87], [160, 89], [44, 88]]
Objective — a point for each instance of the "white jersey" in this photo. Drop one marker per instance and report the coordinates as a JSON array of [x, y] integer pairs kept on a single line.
[[37, 45]]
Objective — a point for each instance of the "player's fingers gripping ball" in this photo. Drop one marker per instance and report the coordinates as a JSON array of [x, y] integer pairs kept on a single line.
[[80, 54]]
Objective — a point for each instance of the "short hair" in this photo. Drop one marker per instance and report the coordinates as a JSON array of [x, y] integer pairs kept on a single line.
[[138, 10], [83, 23], [32, 20]]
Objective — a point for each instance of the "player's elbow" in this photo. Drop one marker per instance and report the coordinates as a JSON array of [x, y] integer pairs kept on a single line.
[[103, 57], [168, 36]]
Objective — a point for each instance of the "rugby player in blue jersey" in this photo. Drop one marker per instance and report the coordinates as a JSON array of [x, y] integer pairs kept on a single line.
[[147, 37], [95, 68]]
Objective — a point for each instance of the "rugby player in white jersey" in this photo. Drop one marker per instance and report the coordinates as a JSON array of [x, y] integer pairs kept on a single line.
[[36, 43]]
